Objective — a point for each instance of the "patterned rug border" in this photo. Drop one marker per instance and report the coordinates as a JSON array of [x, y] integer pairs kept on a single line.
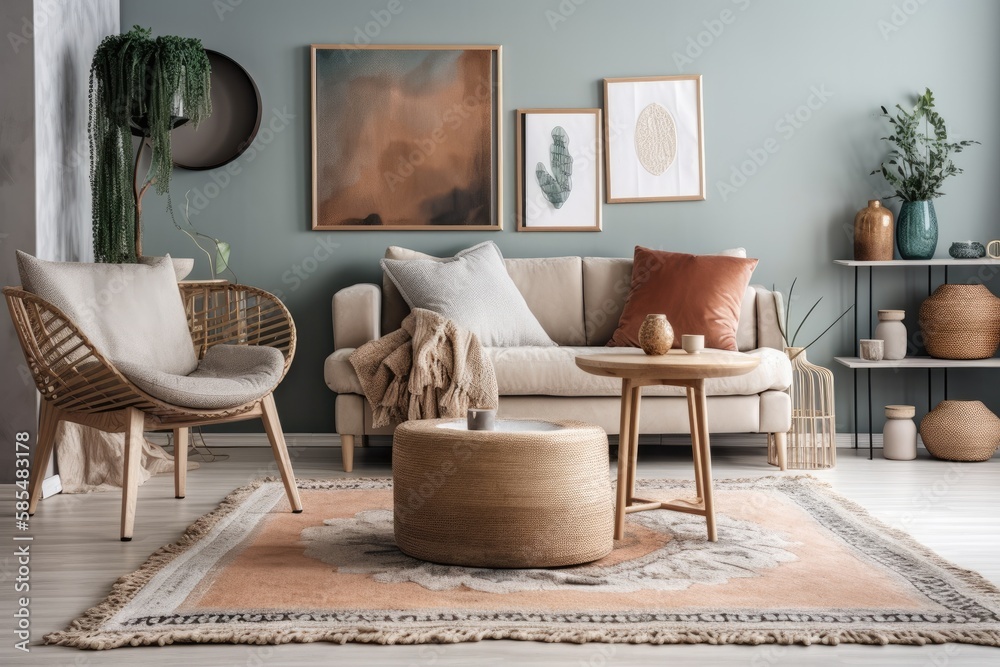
[[85, 633]]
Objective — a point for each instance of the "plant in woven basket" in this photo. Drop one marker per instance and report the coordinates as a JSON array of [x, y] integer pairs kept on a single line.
[[920, 158], [142, 86]]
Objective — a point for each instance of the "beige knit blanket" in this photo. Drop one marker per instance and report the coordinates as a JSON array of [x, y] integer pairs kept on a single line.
[[427, 369]]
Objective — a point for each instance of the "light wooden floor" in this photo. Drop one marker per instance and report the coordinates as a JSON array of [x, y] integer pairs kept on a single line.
[[77, 556]]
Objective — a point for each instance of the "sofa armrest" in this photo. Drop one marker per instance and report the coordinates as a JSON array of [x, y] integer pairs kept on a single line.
[[357, 311], [770, 318]]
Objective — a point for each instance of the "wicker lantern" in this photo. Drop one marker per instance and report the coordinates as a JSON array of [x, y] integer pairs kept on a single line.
[[812, 441]]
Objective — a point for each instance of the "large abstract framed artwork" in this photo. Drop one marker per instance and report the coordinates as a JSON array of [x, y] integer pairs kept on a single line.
[[655, 140], [406, 137], [559, 170]]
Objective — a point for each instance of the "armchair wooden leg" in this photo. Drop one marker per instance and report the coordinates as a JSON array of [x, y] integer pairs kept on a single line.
[[781, 445], [273, 427], [134, 420], [347, 451], [180, 461], [48, 422]]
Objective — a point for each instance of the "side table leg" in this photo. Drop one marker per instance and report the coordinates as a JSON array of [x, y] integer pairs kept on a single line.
[[695, 442], [706, 458], [633, 441], [624, 457]]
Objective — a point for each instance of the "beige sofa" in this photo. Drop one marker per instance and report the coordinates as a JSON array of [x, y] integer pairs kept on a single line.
[[578, 301]]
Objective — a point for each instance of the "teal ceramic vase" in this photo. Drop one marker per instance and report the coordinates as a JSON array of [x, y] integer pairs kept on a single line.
[[917, 230]]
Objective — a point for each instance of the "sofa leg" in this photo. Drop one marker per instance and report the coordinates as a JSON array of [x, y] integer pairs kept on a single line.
[[781, 445], [347, 451]]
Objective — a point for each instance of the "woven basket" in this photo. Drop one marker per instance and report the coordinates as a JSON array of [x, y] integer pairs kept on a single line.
[[961, 322], [961, 431], [532, 498]]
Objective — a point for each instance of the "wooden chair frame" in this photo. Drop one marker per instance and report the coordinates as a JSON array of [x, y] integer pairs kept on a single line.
[[78, 384]]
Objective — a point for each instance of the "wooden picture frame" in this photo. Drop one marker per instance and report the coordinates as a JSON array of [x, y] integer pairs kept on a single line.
[[573, 203], [654, 139], [399, 142]]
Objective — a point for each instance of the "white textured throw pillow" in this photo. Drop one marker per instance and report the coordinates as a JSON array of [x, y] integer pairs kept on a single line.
[[132, 313], [474, 289]]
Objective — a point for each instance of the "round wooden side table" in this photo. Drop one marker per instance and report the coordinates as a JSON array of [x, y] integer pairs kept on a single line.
[[680, 369]]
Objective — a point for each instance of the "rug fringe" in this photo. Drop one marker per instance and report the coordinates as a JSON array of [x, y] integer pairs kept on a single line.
[[83, 640]]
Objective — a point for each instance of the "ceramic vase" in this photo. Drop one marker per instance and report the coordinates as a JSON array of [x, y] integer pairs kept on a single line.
[[899, 435], [873, 233], [917, 230], [961, 322], [656, 336], [892, 332]]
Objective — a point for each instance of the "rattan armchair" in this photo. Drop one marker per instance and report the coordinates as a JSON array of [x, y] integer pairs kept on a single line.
[[80, 385]]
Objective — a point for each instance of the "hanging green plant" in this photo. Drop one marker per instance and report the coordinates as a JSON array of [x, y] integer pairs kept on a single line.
[[147, 87]]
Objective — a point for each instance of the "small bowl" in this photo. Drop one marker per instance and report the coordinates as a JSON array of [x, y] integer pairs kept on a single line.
[[872, 349], [967, 250], [693, 343]]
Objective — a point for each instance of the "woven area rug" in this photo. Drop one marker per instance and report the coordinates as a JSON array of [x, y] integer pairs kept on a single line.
[[795, 563]]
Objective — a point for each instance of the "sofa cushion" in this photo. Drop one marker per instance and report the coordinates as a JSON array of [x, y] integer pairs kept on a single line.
[[553, 289], [228, 376], [552, 371], [474, 289], [700, 294], [551, 286], [394, 308], [132, 313], [606, 284]]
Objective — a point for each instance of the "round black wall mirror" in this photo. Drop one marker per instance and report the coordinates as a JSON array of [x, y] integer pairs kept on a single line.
[[235, 119]]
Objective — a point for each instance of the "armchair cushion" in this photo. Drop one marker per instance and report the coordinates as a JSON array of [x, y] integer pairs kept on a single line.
[[132, 313], [228, 376]]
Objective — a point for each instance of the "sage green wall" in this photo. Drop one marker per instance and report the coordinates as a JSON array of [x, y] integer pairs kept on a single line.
[[804, 78]]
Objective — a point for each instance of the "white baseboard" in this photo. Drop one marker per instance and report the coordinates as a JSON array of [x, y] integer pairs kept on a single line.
[[844, 440]]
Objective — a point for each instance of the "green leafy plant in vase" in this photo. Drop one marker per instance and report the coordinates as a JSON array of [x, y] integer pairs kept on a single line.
[[144, 87], [919, 163]]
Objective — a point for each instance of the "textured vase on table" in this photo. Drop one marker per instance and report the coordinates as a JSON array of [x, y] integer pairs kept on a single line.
[[917, 230]]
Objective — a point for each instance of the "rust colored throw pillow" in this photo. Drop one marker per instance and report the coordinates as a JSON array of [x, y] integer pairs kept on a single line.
[[700, 294]]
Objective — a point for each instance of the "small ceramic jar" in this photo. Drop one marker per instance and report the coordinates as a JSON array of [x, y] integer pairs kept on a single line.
[[899, 435], [892, 332]]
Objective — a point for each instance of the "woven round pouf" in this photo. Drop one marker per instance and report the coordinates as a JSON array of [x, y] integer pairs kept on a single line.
[[528, 494], [961, 431]]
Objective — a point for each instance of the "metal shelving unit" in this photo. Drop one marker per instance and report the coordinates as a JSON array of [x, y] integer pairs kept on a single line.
[[855, 363]]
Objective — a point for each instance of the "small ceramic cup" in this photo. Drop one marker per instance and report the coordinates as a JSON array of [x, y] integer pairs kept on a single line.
[[872, 349], [481, 419], [693, 343]]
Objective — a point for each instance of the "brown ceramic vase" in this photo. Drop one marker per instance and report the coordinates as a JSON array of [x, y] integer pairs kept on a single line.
[[873, 233]]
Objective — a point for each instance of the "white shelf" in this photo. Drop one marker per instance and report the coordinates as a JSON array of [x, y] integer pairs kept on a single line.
[[985, 261], [918, 362]]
